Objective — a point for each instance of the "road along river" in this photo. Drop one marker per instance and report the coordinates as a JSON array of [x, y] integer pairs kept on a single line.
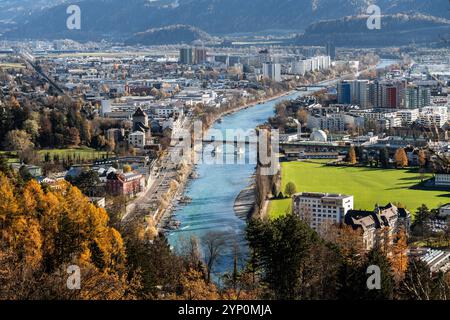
[[215, 190]]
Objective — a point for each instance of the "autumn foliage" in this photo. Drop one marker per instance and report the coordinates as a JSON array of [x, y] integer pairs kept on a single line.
[[43, 232], [401, 159], [352, 156]]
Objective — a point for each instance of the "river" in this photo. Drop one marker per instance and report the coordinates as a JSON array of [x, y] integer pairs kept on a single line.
[[214, 192]]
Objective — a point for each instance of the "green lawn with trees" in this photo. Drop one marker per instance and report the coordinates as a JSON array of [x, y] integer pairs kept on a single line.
[[369, 186], [75, 153], [83, 154]]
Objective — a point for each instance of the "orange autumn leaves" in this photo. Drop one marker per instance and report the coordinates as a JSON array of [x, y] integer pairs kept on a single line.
[[54, 228]]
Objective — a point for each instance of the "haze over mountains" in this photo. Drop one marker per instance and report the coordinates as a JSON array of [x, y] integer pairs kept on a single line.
[[15, 12], [398, 29], [121, 20]]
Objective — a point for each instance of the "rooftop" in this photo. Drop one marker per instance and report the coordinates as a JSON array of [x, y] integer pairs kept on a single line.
[[320, 195]]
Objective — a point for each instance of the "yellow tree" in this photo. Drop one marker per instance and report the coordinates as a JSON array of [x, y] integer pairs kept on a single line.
[[8, 203], [194, 287], [399, 254], [42, 232], [127, 168], [401, 159], [352, 156]]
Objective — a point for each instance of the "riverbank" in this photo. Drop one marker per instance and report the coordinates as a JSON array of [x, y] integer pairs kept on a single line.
[[244, 204], [216, 191], [166, 215]]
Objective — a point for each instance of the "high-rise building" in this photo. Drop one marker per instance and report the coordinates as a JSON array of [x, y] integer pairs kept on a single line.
[[186, 56], [222, 59], [424, 97], [315, 63], [331, 50], [417, 97], [272, 71], [354, 92], [199, 56], [387, 94], [374, 96], [344, 92], [264, 56], [326, 62], [360, 93]]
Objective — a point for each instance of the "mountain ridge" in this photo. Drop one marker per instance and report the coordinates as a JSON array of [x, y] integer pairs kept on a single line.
[[174, 34], [398, 29], [111, 19]]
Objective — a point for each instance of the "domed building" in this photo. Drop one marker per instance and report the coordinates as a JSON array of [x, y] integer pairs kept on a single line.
[[319, 136]]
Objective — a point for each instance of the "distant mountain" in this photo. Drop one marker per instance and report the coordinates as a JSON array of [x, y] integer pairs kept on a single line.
[[11, 10], [399, 29], [176, 34], [17, 12], [119, 20]]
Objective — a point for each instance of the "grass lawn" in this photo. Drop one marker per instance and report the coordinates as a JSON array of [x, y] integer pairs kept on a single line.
[[83, 153], [369, 186], [11, 158], [431, 243]]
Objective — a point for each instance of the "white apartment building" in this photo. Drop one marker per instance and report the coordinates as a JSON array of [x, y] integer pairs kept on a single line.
[[137, 139], [325, 62], [313, 64], [272, 71], [386, 119], [319, 209], [442, 179], [360, 93], [393, 122], [433, 116], [301, 67], [335, 122], [194, 97], [408, 116], [127, 104], [166, 111]]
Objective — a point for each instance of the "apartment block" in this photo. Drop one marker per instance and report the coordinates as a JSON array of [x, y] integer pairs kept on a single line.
[[319, 209]]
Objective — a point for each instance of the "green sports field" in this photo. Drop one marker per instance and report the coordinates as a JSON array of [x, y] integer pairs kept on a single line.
[[369, 186]]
